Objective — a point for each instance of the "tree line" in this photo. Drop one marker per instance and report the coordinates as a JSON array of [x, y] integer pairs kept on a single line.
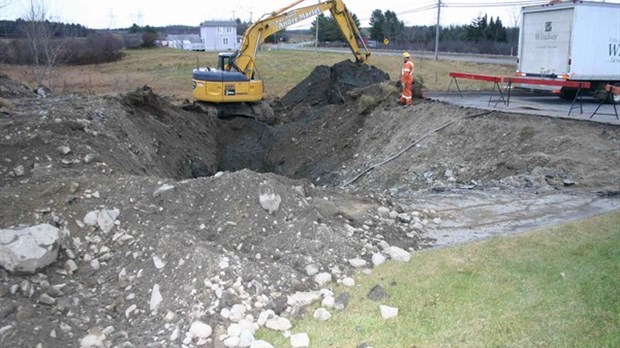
[[482, 35]]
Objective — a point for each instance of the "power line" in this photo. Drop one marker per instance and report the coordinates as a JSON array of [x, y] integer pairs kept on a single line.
[[495, 4]]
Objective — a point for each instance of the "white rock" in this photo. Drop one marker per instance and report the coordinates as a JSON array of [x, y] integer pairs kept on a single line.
[[129, 310], [225, 313], [357, 263], [312, 269], [246, 338], [19, 170], [5, 329], [105, 220], [156, 298], [29, 249], [398, 254], [176, 333], [200, 329], [300, 340], [162, 189], [218, 174], [248, 325], [278, 324], [90, 219], [65, 328], [323, 278], [262, 318], [383, 212], [322, 314], [378, 259], [95, 339], [260, 344], [388, 312], [404, 217], [89, 158], [303, 298], [384, 245], [232, 341], [94, 263], [108, 330], [63, 150], [328, 302], [237, 312], [234, 330], [47, 299], [159, 263], [348, 281], [71, 266], [269, 199], [170, 317]]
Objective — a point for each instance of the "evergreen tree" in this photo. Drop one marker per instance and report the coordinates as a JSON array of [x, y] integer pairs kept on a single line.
[[377, 26]]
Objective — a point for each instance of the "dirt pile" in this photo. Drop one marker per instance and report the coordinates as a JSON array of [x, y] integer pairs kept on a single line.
[[11, 89], [329, 85], [137, 134]]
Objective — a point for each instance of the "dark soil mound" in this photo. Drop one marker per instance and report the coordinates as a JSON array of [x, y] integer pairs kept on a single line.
[[12, 89], [328, 85]]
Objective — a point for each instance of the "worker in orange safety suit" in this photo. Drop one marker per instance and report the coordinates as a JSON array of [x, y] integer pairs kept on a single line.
[[406, 79]]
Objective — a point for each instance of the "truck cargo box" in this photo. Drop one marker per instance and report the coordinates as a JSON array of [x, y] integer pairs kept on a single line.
[[573, 40]]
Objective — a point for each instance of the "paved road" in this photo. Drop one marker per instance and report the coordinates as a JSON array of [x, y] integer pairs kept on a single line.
[[474, 58], [525, 103]]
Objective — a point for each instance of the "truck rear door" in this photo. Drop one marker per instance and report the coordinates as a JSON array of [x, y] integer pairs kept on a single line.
[[545, 42]]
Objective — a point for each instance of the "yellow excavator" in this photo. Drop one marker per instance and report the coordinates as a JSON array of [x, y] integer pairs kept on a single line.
[[234, 88]]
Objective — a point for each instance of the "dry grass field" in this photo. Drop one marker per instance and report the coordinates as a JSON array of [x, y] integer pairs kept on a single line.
[[168, 71]]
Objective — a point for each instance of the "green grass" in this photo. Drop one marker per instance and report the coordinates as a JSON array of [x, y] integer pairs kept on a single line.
[[554, 287], [168, 71]]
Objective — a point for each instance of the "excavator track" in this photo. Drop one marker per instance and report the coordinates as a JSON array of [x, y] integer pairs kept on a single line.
[[261, 111]]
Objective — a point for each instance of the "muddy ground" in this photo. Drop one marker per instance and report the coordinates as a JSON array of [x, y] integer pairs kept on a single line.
[[354, 173]]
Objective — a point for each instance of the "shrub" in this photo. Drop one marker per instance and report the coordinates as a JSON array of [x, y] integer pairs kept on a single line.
[[95, 49]]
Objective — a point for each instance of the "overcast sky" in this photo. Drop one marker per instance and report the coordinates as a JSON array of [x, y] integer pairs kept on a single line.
[[101, 14]]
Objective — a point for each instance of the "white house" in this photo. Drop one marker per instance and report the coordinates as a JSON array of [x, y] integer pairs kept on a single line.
[[188, 42], [219, 35]]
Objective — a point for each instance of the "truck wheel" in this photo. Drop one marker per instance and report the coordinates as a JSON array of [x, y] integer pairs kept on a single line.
[[613, 98]]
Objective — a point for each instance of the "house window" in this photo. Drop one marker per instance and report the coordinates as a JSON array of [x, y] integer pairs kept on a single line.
[[229, 30], [225, 41], [220, 30]]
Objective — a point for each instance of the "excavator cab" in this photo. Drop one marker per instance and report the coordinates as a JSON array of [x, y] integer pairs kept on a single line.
[[225, 61]]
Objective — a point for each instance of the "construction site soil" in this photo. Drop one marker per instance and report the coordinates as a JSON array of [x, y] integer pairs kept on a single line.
[[213, 213]]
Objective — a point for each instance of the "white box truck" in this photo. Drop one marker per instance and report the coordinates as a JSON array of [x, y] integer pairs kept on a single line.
[[573, 41]]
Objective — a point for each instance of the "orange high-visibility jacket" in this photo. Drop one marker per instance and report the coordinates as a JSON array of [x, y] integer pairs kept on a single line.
[[407, 72]]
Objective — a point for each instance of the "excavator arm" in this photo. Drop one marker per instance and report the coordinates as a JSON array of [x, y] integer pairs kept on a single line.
[[279, 20]]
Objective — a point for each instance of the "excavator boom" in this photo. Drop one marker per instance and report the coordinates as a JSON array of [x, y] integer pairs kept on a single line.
[[279, 20]]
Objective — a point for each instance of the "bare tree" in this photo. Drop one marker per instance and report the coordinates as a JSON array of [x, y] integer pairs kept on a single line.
[[44, 47]]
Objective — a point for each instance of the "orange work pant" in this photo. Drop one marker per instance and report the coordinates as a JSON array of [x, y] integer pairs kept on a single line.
[[406, 97]]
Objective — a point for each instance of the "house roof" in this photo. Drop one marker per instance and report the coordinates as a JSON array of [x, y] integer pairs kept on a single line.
[[218, 24], [181, 37]]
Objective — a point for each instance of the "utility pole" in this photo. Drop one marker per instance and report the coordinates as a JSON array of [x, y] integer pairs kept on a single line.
[[437, 31], [316, 35]]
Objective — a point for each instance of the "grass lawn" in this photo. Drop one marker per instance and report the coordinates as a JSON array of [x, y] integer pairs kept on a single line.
[[553, 287], [169, 71]]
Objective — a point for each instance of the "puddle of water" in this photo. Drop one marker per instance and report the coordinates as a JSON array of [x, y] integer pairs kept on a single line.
[[468, 216]]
